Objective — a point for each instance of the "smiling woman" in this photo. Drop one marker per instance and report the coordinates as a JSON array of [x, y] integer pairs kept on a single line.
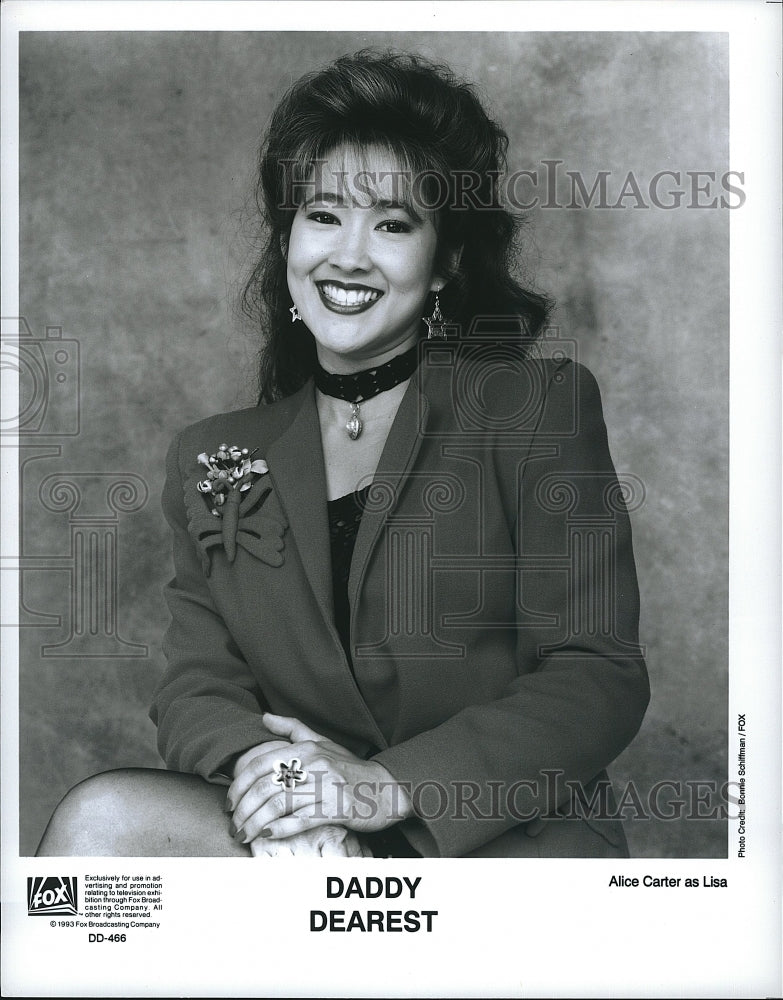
[[358, 253], [404, 610]]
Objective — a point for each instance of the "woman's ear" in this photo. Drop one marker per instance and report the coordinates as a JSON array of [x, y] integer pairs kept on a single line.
[[441, 279]]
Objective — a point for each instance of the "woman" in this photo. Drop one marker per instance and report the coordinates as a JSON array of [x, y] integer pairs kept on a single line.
[[404, 614]]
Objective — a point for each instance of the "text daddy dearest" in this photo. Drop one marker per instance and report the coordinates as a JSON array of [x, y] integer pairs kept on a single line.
[[387, 920]]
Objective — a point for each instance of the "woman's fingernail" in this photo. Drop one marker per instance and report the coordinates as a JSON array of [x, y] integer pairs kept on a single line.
[[233, 828], [266, 832], [239, 836], [228, 807]]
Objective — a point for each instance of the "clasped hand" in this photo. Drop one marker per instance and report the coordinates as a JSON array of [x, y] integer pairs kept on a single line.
[[339, 789]]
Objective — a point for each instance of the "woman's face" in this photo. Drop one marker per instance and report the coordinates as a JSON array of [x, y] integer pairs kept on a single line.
[[360, 262]]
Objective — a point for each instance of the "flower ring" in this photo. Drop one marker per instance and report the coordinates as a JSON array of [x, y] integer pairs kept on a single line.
[[289, 775]]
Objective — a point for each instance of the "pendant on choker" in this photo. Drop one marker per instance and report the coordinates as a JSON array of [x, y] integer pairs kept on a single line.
[[358, 387], [354, 427]]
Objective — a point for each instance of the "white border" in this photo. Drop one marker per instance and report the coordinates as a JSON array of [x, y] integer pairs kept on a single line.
[[387, 15], [236, 930]]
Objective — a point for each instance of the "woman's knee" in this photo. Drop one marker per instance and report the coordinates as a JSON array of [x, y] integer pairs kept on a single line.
[[140, 812], [92, 817]]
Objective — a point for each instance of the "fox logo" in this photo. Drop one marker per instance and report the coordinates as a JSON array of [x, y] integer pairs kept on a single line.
[[51, 894]]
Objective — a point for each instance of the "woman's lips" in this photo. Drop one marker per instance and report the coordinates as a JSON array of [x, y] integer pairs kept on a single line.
[[347, 299]]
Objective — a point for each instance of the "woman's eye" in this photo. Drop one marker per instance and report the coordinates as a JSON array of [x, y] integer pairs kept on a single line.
[[394, 226], [325, 218]]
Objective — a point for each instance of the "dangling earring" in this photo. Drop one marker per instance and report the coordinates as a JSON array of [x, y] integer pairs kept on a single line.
[[294, 314], [436, 324]]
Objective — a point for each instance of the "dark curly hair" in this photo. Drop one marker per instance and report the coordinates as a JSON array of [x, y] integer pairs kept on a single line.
[[436, 130]]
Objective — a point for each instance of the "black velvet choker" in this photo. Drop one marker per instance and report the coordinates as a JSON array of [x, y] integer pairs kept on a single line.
[[360, 386]]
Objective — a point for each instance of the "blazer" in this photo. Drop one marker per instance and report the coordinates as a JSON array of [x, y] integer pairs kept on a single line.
[[493, 594]]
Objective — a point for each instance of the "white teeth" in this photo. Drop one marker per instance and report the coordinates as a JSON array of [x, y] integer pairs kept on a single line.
[[348, 296]]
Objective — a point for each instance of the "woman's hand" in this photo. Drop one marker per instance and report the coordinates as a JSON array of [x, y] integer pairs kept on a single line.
[[328, 841], [278, 746], [339, 788]]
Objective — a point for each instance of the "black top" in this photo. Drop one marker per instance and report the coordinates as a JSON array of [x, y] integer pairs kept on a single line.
[[345, 516]]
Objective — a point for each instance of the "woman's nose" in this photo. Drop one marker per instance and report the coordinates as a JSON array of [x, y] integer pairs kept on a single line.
[[350, 250]]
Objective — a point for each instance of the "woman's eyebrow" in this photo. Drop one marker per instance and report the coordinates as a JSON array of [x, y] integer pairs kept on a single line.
[[387, 205], [378, 205], [328, 197]]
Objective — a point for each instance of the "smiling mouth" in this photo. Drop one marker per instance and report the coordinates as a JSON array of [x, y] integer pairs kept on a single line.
[[347, 298]]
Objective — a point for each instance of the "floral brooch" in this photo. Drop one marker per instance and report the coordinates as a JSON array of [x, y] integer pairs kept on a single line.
[[232, 486], [229, 469]]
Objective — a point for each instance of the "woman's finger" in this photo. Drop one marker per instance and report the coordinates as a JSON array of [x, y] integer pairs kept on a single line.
[[291, 728], [262, 748], [267, 765], [353, 846], [300, 821], [257, 768], [257, 821], [335, 847], [262, 848], [254, 798]]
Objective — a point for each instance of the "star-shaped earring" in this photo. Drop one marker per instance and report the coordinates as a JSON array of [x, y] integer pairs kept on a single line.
[[436, 324]]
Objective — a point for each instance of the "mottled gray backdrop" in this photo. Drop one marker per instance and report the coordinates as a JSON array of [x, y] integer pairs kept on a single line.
[[137, 154]]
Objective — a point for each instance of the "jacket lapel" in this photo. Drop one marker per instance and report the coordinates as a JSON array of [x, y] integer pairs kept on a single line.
[[398, 455], [296, 465]]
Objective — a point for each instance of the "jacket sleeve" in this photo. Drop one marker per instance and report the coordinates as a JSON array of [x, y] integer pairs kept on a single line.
[[582, 688], [207, 705]]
